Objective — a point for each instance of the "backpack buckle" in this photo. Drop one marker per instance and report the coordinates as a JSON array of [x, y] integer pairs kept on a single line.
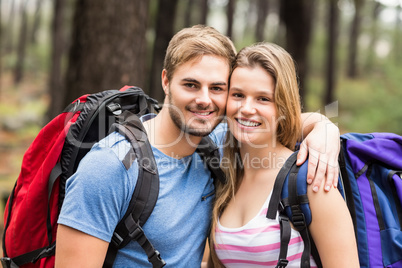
[[298, 220], [156, 260], [136, 233], [281, 206], [7, 262], [114, 108], [282, 263], [117, 240]]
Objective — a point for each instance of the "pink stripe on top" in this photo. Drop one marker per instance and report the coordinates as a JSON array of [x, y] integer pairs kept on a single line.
[[257, 243]]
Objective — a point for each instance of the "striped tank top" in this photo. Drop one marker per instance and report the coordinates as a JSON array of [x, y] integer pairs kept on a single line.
[[257, 243]]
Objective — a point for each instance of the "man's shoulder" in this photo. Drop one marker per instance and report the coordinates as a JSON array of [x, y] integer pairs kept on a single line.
[[219, 133], [114, 142]]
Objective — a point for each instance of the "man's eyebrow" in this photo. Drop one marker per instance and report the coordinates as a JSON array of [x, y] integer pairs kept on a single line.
[[219, 83], [192, 80]]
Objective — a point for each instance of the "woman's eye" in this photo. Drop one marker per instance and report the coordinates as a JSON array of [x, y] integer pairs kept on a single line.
[[264, 99], [237, 95]]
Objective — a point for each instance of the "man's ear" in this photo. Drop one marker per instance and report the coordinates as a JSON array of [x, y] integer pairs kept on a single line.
[[165, 82]]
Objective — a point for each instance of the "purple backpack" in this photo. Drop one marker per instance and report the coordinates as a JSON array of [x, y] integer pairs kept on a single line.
[[371, 183]]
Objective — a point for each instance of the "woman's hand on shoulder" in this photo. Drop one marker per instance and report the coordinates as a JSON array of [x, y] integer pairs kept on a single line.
[[321, 146]]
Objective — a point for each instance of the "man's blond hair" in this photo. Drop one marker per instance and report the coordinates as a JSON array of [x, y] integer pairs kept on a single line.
[[196, 41]]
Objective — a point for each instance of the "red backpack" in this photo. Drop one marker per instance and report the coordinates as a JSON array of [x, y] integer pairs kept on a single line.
[[33, 207], [32, 210]]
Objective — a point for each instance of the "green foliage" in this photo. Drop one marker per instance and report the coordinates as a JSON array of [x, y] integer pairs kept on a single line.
[[371, 103]]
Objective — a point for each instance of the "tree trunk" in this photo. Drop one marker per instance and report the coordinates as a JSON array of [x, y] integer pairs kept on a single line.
[[21, 49], [397, 50], [333, 18], [262, 14], [56, 85], [230, 14], [374, 36], [1, 51], [163, 33], [36, 22], [353, 39], [9, 44], [297, 16], [187, 16], [204, 11], [108, 46]]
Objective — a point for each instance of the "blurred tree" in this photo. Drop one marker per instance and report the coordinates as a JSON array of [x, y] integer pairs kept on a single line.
[[397, 50], [377, 8], [108, 46], [8, 36], [262, 14], [187, 15], [204, 11], [332, 44], [297, 16], [248, 13], [21, 47], [56, 85], [230, 10], [352, 71], [163, 33], [36, 21]]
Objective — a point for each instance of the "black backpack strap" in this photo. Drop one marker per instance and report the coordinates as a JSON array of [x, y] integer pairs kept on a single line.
[[284, 221], [29, 257], [294, 201], [276, 205], [144, 196], [285, 239], [298, 218], [209, 153], [275, 202], [290, 172]]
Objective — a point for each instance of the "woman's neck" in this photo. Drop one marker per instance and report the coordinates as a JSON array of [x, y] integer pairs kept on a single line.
[[265, 158]]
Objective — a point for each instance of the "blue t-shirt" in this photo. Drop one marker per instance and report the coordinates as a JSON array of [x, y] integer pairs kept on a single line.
[[98, 195]]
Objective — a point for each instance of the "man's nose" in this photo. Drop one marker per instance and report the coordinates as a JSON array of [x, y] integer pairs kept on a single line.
[[203, 98]]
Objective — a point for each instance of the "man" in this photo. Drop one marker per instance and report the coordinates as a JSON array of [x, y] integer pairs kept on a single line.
[[195, 81]]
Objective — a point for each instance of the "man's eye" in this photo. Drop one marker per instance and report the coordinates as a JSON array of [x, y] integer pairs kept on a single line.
[[216, 89], [189, 85]]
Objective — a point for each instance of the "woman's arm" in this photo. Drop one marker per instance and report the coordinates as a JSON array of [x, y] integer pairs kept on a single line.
[[321, 143], [77, 249], [332, 229]]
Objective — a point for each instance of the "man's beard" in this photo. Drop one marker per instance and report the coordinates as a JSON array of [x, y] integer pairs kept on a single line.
[[178, 120]]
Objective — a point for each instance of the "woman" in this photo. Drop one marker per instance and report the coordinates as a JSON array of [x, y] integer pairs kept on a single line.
[[263, 112]]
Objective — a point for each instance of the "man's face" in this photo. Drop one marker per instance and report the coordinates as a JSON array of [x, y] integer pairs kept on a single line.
[[196, 94]]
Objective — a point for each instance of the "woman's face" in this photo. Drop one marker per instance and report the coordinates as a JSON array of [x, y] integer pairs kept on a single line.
[[250, 109]]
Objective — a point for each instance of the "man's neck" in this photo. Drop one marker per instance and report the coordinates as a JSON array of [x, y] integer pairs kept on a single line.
[[164, 135]]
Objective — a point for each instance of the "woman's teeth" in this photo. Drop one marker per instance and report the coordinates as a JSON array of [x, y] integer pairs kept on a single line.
[[248, 123]]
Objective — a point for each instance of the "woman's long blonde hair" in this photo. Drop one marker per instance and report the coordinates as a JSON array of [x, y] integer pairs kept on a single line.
[[280, 65]]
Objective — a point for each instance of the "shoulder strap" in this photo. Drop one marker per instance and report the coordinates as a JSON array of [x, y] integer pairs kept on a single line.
[[144, 196], [275, 202], [289, 208], [298, 219], [209, 153]]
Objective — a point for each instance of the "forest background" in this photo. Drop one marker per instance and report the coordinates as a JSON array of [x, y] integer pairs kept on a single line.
[[348, 55]]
